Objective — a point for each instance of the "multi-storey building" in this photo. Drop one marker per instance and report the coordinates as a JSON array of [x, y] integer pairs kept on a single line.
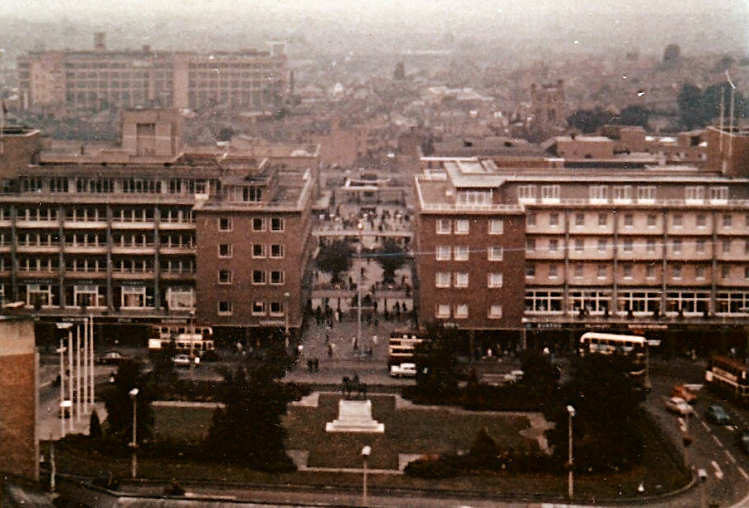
[[116, 232], [651, 247], [69, 81]]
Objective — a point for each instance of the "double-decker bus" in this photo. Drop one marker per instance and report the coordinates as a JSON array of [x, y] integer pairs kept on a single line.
[[188, 339], [402, 345], [729, 376], [632, 347]]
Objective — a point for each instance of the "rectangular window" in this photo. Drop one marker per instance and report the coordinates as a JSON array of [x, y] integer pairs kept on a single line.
[[699, 272], [602, 271], [461, 311], [494, 280], [258, 277], [258, 250], [258, 224], [694, 194], [443, 227], [627, 271], [650, 272], [495, 311], [579, 270], [553, 271], [746, 272], [599, 193], [530, 219], [628, 220], [746, 246], [224, 308], [700, 246], [530, 244], [276, 309], [601, 245], [462, 227], [494, 254], [461, 253], [553, 245], [442, 280], [530, 270], [579, 245], [603, 219], [277, 224], [443, 311], [727, 220], [527, 193], [550, 193], [443, 253], [276, 250], [553, 219], [650, 245], [676, 271], [461, 279], [496, 226], [579, 219], [676, 246], [258, 308], [676, 220], [646, 194], [652, 220], [719, 194], [701, 220], [224, 224], [224, 276], [726, 246], [224, 250], [725, 271], [627, 245], [623, 193], [277, 277]]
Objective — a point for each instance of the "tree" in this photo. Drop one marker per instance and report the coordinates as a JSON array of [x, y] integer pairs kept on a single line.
[[163, 374], [335, 258], [633, 115], [248, 430], [390, 257], [690, 106], [120, 406], [94, 426], [436, 362], [540, 377], [588, 120]]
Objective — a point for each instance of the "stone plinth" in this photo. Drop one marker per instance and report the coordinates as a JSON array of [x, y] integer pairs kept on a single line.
[[355, 416]]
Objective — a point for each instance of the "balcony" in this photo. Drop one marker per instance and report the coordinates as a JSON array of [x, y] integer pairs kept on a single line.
[[85, 248], [133, 249]]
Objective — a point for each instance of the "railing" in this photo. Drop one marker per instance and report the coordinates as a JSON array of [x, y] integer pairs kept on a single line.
[[451, 207]]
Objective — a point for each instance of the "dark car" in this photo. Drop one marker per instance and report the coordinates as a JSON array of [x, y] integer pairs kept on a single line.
[[111, 358], [743, 439], [716, 414]]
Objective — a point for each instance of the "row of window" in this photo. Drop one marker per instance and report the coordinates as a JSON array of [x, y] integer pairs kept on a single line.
[[463, 226], [624, 193], [677, 219], [461, 280], [677, 271], [462, 253], [628, 245], [259, 277], [275, 224], [259, 250], [259, 308], [460, 311], [107, 185]]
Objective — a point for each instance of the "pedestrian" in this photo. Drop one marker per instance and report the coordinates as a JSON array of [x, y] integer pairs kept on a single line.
[[327, 338], [354, 343], [374, 340], [330, 350]]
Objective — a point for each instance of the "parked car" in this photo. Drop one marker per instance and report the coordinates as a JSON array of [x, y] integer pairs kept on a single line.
[[182, 360], [716, 414], [679, 406], [403, 370], [111, 358], [743, 439], [685, 393]]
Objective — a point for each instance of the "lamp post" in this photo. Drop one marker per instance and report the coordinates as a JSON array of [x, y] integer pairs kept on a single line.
[[61, 350], [91, 361], [360, 228], [286, 297], [134, 444], [78, 374], [365, 452], [570, 474]]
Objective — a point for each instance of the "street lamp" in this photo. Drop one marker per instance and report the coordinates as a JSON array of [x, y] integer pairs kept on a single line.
[[570, 474], [365, 452], [360, 228], [134, 445], [286, 297], [61, 350]]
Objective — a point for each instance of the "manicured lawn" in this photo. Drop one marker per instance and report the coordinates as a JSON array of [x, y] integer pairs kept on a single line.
[[182, 423], [411, 431]]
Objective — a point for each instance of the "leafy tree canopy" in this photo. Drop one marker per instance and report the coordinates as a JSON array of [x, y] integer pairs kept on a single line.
[[390, 257], [335, 258], [119, 404]]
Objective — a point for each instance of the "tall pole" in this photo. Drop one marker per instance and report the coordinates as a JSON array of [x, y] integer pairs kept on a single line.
[[359, 227], [78, 374], [570, 474], [70, 373], [85, 368], [62, 386], [91, 361], [286, 296], [134, 444]]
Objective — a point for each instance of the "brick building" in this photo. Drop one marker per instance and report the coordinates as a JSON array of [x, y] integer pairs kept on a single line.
[[69, 81], [19, 444], [650, 247]]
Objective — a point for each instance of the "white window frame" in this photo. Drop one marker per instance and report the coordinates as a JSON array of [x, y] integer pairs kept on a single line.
[[495, 311], [281, 225], [224, 312], [553, 271], [229, 227], [261, 312], [599, 193], [646, 194], [530, 244], [442, 311], [461, 279], [579, 245], [443, 226], [281, 249], [442, 279], [282, 277], [526, 194], [461, 311], [495, 253], [230, 250], [262, 251], [494, 279], [550, 193], [264, 278], [694, 194], [462, 226], [443, 253], [622, 193], [262, 224], [461, 253], [496, 226], [718, 195], [228, 281], [530, 270]]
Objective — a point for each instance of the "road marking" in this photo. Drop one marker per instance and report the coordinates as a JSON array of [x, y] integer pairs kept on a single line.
[[718, 472], [717, 441], [743, 473], [730, 456]]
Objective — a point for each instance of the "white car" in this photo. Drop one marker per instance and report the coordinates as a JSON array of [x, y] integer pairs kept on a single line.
[[679, 406], [403, 370], [182, 361]]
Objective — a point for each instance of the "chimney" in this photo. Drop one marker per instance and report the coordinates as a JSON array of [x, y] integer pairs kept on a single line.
[[100, 41]]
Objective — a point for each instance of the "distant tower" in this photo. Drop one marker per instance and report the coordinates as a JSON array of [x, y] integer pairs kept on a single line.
[[100, 41], [547, 104]]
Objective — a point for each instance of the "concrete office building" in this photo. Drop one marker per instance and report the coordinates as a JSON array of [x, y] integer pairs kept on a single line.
[[72, 81], [649, 247]]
